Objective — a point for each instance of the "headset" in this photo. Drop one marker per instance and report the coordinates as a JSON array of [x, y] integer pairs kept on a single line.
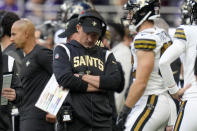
[[1, 27], [95, 14]]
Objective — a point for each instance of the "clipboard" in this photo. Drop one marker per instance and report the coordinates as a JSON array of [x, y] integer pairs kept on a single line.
[[7, 80], [52, 97]]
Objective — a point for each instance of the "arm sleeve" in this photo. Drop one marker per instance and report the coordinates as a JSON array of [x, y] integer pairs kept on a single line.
[[170, 55], [16, 84], [111, 79], [19, 96], [45, 59], [15, 78], [63, 72]]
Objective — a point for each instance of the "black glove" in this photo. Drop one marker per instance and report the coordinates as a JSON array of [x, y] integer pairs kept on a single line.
[[121, 119]]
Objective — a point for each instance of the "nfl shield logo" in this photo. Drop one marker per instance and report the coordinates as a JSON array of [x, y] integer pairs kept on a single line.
[[56, 56]]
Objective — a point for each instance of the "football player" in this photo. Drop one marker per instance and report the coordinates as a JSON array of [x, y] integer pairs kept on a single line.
[[148, 104], [184, 43]]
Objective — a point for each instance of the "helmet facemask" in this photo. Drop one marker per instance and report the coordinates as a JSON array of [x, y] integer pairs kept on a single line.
[[186, 10], [141, 11]]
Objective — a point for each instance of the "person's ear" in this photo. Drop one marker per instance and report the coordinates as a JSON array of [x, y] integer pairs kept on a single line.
[[26, 34], [78, 27]]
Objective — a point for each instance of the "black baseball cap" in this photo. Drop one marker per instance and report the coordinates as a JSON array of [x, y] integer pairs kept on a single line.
[[91, 24], [70, 28]]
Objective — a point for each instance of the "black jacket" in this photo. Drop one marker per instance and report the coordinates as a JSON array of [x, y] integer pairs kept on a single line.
[[91, 108], [15, 83], [16, 53], [18, 56]]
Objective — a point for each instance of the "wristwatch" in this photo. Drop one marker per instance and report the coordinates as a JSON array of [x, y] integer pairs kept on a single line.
[[80, 75]]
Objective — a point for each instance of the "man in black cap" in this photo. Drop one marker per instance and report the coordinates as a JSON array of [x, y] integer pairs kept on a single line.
[[70, 30], [11, 62], [90, 73]]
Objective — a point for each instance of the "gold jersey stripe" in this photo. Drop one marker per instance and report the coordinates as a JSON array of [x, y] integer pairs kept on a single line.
[[180, 31], [145, 42], [145, 46], [180, 36], [180, 116], [146, 114]]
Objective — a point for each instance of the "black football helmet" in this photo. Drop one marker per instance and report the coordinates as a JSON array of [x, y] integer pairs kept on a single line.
[[140, 11], [186, 10], [194, 11], [71, 9]]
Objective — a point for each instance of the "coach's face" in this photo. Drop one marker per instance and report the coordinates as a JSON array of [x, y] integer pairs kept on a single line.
[[87, 39], [18, 36]]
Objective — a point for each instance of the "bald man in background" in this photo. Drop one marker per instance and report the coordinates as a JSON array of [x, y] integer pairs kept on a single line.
[[37, 70]]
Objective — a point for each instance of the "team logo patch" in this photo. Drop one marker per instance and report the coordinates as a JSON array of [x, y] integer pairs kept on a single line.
[[94, 23], [113, 62], [57, 56], [27, 63]]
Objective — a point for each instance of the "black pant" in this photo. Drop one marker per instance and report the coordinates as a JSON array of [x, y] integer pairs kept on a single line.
[[77, 125], [5, 121], [17, 123], [36, 125]]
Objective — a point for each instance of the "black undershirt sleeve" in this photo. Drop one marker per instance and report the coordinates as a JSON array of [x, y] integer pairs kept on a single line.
[[112, 77], [62, 69]]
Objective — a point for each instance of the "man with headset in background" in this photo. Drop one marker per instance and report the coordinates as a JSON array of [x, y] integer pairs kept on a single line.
[[88, 71], [12, 59]]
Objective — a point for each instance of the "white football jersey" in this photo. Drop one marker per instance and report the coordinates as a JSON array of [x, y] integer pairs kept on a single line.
[[187, 34], [157, 40]]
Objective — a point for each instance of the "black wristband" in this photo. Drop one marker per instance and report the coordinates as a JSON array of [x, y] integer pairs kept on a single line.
[[126, 109], [121, 119]]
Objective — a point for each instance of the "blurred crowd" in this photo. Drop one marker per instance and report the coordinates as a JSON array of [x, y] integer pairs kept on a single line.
[[41, 10]]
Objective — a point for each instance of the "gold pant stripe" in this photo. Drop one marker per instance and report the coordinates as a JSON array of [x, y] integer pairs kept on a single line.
[[180, 116], [146, 114]]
